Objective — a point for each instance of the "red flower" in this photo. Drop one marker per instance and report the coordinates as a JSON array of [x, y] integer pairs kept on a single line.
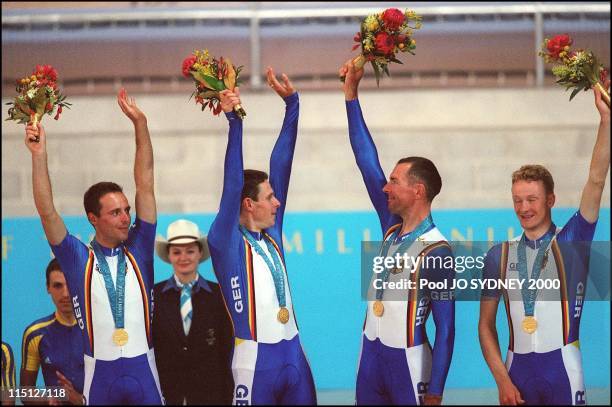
[[385, 43], [48, 107], [45, 71], [59, 111], [187, 64], [357, 37], [393, 18], [557, 44]]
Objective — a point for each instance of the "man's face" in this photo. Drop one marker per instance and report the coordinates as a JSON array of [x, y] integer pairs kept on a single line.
[[401, 190], [58, 289], [531, 203], [114, 221], [184, 257], [264, 209]]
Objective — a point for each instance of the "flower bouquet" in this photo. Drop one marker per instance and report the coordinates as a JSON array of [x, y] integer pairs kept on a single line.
[[383, 35], [577, 69], [38, 94], [211, 76]]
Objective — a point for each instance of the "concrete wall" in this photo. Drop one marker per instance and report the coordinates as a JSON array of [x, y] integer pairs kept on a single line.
[[475, 137]]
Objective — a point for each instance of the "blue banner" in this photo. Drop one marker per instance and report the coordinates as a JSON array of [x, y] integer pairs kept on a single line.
[[323, 262]]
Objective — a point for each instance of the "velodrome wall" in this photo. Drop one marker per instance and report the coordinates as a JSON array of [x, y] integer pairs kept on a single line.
[[476, 138]]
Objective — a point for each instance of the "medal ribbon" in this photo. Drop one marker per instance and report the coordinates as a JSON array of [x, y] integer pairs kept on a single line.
[[276, 268], [407, 240], [116, 297], [528, 295]]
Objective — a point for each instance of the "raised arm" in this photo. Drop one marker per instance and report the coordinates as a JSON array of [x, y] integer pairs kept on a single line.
[[600, 162], [362, 144], [227, 219], [143, 163], [54, 227], [282, 154]]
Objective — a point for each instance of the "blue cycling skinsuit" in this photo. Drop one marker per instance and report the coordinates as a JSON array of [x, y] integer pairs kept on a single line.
[[397, 364], [269, 365], [114, 374], [546, 365]]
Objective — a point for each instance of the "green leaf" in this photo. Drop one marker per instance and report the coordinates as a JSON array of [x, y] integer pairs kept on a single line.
[[397, 61], [210, 82], [376, 73], [574, 93]]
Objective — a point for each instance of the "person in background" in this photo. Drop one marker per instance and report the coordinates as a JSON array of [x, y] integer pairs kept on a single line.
[[192, 332], [53, 344]]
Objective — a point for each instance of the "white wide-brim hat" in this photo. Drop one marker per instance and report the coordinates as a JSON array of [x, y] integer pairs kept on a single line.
[[181, 231]]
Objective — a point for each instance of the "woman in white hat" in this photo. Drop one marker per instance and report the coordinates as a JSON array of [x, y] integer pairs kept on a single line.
[[192, 333]]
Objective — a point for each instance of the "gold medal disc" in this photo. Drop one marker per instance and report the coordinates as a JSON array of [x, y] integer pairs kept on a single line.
[[120, 337], [283, 315], [530, 324], [378, 308]]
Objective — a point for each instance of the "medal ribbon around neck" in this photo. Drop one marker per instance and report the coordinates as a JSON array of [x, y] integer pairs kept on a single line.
[[116, 297], [407, 240], [276, 269], [528, 295]]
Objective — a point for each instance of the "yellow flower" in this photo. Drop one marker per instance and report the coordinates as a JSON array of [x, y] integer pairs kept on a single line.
[[367, 45], [33, 77], [413, 42], [371, 23]]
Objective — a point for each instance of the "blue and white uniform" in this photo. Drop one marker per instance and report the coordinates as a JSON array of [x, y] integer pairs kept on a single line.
[[269, 365], [8, 367], [546, 366], [54, 344], [114, 374], [397, 364]]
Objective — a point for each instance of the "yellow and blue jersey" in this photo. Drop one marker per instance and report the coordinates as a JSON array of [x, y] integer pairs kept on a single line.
[[8, 367], [52, 344]]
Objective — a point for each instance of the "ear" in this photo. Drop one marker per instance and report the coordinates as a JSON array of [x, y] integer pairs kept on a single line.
[[421, 191], [550, 200], [247, 204], [93, 219]]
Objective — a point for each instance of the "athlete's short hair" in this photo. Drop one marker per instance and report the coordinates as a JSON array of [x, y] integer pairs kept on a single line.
[[535, 172], [426, 172], [91, 200], [52, 266], [252, 179]]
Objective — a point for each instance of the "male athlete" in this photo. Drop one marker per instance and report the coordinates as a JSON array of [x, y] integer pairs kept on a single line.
[[54, 343], [543, 364], [245, 240], [111, 280], [397, 364]]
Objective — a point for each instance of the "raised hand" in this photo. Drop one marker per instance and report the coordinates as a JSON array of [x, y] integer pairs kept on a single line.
[[36, 139], [283, 90], [229, 99], [352, 77], [129, 107]]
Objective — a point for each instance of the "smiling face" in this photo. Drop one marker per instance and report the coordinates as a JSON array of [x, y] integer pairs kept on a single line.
[[113, 224], [263, 210], [532, 205], [402, 191], [58, 289], [184, 258]]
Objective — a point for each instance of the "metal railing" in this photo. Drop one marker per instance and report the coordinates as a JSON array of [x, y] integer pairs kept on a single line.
[[255, 15]]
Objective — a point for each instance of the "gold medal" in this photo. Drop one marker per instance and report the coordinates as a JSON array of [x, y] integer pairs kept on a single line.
[[530, 324], [378, 308], [283, 315], [120, 337]]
